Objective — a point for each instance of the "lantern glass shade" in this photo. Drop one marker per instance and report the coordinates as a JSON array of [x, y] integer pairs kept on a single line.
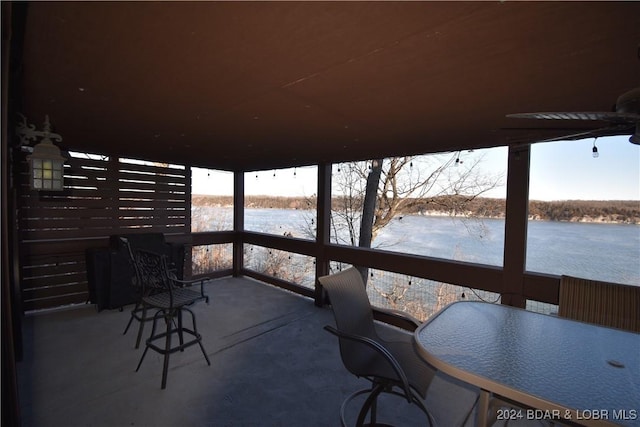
[[46, 166]]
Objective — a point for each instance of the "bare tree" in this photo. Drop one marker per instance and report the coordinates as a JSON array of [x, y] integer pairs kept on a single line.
[[373, 193]]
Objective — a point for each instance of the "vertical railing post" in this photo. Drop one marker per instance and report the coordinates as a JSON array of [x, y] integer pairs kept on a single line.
[[238, 223], [516, 219], [323, 221]]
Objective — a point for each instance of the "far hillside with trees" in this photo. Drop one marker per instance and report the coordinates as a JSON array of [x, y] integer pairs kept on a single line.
[[618, 211]]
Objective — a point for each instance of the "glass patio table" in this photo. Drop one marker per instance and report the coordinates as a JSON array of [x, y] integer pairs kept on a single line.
[[554, 367]]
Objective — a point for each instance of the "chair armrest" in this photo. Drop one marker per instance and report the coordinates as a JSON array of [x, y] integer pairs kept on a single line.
[[396, 318], [386, 355], [183, 283]]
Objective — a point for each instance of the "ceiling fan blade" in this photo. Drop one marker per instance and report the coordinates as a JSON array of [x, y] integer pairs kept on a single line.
[[621, 129], [572, 137], [625, 120], [581, 115]]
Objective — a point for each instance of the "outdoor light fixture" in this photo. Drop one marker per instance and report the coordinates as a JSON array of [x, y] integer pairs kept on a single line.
[[46, 164], [595, 149]]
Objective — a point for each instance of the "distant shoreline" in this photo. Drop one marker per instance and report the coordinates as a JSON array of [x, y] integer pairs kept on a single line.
[[585, 211]]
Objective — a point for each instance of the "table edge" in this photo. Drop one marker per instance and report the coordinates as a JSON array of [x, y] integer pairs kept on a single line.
[[488, 384]]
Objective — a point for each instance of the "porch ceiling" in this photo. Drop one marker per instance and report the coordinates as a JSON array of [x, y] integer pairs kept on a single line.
[[244, 85]]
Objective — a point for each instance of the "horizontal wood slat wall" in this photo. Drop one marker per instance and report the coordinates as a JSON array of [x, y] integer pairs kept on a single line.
[[102, 196], [602, 303]]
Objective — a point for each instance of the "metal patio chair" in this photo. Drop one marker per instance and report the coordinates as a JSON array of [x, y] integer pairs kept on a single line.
[[139, 311], [391, 364], [162, 292]]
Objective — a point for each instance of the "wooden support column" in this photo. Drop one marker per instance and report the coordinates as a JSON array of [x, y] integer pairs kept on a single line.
[[515, 237], [323, 231], [13, 15], [186, 233], [238, 223]]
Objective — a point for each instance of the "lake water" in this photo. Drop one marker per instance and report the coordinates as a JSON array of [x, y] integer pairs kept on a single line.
[[608, 252]]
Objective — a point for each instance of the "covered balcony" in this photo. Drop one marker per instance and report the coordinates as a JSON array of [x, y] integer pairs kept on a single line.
[[142, 93], [272, 363]]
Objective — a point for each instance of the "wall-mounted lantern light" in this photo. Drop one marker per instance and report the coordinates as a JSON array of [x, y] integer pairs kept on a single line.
[[46, 164]]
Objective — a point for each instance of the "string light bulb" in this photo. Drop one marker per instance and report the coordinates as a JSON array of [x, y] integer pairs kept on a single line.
[[594, 150], [458, 161]]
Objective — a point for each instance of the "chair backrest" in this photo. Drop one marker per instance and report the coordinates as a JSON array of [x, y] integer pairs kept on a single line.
[[152, 242], [350, 302], [353, 315], [152, 271], [607, 304]]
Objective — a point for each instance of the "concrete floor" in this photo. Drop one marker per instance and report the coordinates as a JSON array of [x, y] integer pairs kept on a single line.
[[272, 364]]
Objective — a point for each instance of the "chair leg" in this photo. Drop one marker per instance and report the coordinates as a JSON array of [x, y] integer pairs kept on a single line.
[[420, 404], [204, 353], [153, 332], [373, 417], [371, 402], [345, 404], [195, 331], [142, 321], [131, 318], [169, 317], [197, 335], [140, 307], [168, 320], [370, 405], [180, 334]]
